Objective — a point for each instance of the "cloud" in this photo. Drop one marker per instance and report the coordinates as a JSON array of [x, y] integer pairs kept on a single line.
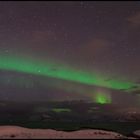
[[90, 54], [136, 92], [98, 43], [134, 20], [41, 36], [96, 46]]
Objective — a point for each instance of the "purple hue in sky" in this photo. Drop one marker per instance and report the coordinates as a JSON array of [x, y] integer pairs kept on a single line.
[[101, 36]]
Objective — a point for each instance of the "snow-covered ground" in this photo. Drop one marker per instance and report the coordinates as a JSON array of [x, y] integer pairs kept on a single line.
[[137, 133], [20, 132]]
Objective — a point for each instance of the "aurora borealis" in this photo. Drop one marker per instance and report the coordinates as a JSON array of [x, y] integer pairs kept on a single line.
[[23, 65], [75, 49]]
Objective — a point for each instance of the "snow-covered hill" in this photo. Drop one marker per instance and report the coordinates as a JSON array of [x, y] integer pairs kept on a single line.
[[20, 132]]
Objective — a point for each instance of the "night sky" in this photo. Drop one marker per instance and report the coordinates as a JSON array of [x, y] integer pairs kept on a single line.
[[70, 50]]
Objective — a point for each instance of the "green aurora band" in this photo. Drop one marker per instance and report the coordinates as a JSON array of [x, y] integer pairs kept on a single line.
[[102, 98], [25, 65], [59, 110]]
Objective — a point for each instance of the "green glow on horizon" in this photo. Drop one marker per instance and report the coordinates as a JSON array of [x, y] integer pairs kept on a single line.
[[59, 110], [61, 72], [102, 98]]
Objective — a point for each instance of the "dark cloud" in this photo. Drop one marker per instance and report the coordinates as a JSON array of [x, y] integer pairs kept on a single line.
[[134, 19]]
